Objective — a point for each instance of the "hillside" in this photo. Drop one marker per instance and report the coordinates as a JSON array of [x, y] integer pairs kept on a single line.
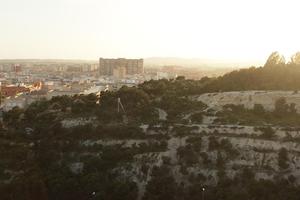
[[249, 99], [172, 139], [263, 78]]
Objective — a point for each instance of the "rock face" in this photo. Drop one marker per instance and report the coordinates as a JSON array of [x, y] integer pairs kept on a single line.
[[76, 167], [162, 114], [240, 147], [249, 98], [73, 122], [190, 148], [193, 149]]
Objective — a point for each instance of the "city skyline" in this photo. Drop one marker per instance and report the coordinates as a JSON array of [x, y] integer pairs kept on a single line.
[[216, 30]]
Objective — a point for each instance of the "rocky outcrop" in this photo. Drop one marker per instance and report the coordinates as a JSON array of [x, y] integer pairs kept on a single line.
[[249, 98]]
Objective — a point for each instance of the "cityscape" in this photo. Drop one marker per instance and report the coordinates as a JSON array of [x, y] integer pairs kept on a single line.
[[149, 100], [26, 81]]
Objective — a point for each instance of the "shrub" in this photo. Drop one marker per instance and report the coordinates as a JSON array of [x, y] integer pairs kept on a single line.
[[197, 118], [283, 159]]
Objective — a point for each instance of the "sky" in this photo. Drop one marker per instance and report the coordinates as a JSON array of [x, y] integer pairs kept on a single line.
[[235, 30]]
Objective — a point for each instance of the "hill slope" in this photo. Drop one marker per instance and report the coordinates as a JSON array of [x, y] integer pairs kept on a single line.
[[168, 144]]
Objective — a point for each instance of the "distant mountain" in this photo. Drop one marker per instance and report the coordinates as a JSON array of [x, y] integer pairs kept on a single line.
[[152, 62], [46, 61], [195, 62]]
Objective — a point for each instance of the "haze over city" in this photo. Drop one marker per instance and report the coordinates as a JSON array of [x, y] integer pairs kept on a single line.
[[239, 31]]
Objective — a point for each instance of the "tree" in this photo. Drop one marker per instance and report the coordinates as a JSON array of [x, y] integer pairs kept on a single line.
[[213, 143], [220, 162], [292, 108], [283, 159], [197, 118], [267, 132], [275, 59], [12, 116], [187, 155], [281, 107], [247, 175], [258, 109], [162, 185], [295, 59], [180, 78]]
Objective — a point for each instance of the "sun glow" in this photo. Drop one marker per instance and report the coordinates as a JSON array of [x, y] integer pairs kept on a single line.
[[215, 29]]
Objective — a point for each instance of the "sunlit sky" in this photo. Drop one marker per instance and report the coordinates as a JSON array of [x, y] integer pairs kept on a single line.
[[247, 30]]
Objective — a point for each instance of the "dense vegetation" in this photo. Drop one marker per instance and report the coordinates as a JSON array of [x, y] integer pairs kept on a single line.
[[284, 114], [41, 159], [39, 152], [272, 76], [242, 186]]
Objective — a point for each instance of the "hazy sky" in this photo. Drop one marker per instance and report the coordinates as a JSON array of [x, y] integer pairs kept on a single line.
[[88, 29]]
